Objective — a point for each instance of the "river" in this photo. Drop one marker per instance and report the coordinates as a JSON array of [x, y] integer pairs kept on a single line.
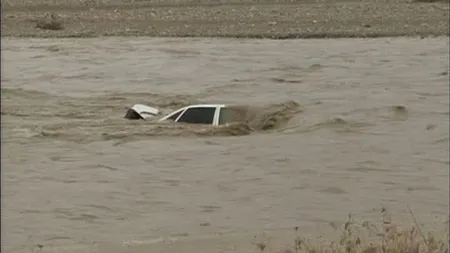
[[360, 124]]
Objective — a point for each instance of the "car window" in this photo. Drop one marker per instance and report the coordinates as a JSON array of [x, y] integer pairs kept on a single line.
[[231, 114], [201, 115], [175, 116]]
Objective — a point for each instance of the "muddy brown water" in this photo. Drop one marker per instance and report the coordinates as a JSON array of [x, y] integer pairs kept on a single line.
[[353, 125]]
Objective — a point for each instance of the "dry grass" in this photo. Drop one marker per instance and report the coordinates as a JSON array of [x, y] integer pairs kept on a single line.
[[363, 237], [431, 1]]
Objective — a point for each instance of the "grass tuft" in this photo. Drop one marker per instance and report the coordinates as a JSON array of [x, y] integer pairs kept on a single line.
[[50, 24]]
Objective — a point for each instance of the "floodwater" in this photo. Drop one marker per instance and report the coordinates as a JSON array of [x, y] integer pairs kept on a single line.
[[344, 126]]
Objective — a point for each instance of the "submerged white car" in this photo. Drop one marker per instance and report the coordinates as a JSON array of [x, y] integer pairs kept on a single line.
[[209, 114]]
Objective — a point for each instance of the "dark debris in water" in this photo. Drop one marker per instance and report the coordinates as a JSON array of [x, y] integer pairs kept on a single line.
[[283, 80], [399, 108]]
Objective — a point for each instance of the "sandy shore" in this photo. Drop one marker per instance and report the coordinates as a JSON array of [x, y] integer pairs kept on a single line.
[[224, 18]]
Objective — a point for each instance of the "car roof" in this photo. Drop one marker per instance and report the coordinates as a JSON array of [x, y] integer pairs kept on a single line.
[[205, 105]]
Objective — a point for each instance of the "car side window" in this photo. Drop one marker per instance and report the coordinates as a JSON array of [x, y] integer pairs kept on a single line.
[[231, 114], [199, 115], [175, 116]]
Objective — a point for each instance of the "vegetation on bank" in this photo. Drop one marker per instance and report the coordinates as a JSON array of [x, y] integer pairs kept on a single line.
[[363, 237], [431, 1]]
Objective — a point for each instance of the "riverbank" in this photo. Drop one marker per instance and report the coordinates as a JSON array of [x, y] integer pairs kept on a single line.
[[239, 19], [351, 236]]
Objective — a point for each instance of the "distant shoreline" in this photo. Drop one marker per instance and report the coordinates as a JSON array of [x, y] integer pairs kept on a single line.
[[256, 37], [247, 19]]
